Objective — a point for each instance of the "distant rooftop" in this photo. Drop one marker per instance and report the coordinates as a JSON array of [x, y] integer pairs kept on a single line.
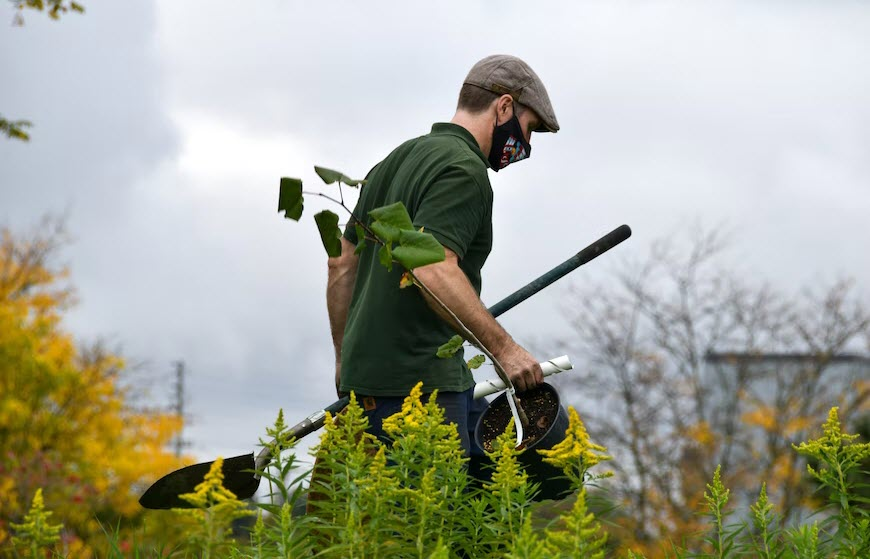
[[758, 357]]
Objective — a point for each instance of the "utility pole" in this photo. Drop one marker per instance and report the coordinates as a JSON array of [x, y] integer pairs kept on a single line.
[[178, 406]]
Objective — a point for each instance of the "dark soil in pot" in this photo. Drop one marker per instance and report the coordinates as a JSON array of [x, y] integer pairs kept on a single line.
[[548, 421], [541, 407]]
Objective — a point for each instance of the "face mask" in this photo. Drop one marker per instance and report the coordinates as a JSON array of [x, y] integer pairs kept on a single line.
[[508, 144]]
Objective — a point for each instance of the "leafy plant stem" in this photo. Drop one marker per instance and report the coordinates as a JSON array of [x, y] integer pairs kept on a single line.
[[469, 335], [466, 333], [331, 199]]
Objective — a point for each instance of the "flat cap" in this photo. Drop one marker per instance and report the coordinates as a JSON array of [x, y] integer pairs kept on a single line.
[[502, 73]]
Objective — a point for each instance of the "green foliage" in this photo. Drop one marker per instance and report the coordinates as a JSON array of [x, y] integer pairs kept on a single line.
[[450, 347], [576, 453], [580, 535], [276, 533], [14, 129], [36, 533], [290, 198], [476, 361], [842, 533], [390, 221], [215, 508], [413, 498], [839, 455], [66, 424], [329, 177], [361, 238], [803, 542], [765, 534], [390, 225], [722, 538], [409, 498], [417, 249], [330, 234], [54, 8], [385, 256]]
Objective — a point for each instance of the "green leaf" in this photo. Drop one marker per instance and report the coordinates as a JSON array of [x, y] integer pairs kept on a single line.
[[15, 129], [450, 348], [290, 198], [360, 238], [386, 257], [394, 214], [386, 233], [330, 176], [476, 361], [389, 221], [417, 248], [330, 234]]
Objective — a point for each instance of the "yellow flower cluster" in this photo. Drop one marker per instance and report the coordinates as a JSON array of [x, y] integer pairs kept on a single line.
[[413, 413], [210, 491], [575, 454], [421, 429], [36, 531], [508, 475], [834, 446]]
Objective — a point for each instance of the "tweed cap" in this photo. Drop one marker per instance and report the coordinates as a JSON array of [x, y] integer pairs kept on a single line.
[[502, 73]]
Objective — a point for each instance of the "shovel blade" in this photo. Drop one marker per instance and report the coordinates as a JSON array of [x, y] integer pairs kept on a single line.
[[238, 477]]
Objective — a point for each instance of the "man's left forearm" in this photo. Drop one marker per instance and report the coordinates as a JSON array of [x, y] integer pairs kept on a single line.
[[339, 290]]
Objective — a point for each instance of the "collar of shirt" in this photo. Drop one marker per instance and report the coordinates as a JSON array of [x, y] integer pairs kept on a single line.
[[450, 129]]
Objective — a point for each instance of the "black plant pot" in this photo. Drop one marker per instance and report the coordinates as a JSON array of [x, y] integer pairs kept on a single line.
[[544, 409]]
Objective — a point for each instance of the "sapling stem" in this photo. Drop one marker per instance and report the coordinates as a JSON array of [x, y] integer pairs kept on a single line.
[[464, 330], [469, 335], [331, 199]]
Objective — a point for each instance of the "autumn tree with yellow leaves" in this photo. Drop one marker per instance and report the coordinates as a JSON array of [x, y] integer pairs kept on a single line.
[[691, 364], [66, 427]]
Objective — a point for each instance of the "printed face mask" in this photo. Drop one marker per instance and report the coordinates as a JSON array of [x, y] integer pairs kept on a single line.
[[508, 145]]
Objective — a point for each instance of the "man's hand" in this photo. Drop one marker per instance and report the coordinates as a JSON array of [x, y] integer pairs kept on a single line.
[[523, 369]]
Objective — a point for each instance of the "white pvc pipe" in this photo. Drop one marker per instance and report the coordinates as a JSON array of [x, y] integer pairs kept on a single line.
[[550, 367]]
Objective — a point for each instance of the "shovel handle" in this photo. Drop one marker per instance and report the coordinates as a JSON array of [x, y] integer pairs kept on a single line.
[[594, 250], [315, 421]]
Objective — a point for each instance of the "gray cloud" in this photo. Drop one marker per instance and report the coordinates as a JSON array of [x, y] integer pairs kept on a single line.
[[165, 126]]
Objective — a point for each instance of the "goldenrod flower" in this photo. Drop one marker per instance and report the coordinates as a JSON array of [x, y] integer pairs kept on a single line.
[[210, 491], [36, 532], [215, 509], [575, 454], [508, 475], [413, 414], [834, 446]]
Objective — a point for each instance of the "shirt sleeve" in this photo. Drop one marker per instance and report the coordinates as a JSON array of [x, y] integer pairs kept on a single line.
[[452, 209]]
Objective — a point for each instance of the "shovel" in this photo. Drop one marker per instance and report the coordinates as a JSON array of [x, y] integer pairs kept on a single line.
[[240, 472]]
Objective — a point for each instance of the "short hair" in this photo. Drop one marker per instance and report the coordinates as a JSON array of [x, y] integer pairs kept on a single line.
[[475, 99]]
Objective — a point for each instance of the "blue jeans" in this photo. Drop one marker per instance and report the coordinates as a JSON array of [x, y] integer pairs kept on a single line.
[[460, 408]]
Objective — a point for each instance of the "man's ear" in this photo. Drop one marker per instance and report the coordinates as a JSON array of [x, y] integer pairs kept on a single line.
[[504, 107]]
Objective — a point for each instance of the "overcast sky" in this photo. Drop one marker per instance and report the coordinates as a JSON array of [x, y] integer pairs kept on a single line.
[[162, 129]]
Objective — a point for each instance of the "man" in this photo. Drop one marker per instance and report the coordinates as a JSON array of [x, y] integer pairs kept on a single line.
[[386, 338]]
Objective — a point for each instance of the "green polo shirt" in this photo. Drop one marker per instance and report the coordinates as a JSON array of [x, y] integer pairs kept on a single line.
[[392, 335]]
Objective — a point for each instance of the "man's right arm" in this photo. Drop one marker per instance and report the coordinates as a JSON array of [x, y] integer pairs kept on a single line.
[[339, 290], [450, 284]]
